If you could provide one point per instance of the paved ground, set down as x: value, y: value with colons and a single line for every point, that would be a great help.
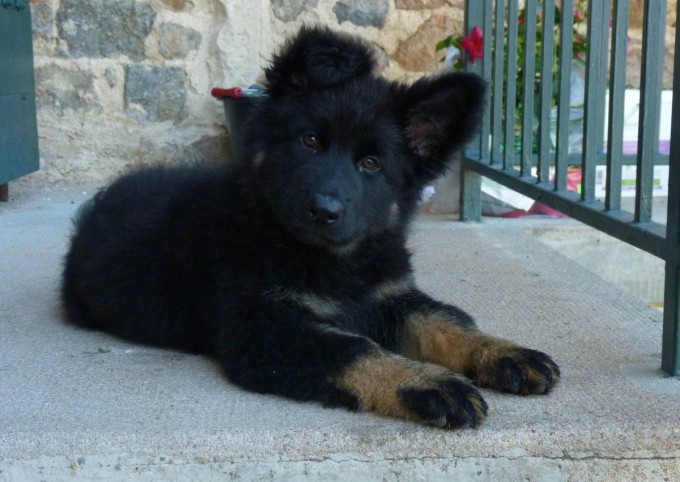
x: 84, y: 405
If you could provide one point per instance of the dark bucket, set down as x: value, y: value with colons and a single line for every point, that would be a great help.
x: 238, y: 105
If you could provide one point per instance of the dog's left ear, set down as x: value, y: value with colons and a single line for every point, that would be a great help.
x: 318, y: 58
x: 440, y: 115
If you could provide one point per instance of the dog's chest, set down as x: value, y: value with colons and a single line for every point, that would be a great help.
x: 351, y: 298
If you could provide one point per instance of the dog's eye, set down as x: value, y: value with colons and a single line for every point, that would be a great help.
x: 311, y: 141
x: 369, y: 164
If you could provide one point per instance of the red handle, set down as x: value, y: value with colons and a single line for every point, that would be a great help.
x: 234, y: 92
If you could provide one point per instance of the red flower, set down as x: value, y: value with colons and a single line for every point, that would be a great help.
x: 474, y: 44
x: 578, y: 15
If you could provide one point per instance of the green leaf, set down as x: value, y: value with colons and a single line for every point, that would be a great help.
x: 444, y: 44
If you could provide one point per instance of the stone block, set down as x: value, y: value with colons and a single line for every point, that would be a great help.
x: 62, y: 89
x: 105, y: 28
x: 176, y: 4
x: 207, y: 149
x: 156, y: 94
x: 289, y: 10
x: 426, y: 4
x: 42, y: 20
x: 176, y: 41
x: 364, y: 13
x: 417, y: 53
x: 111, y: 77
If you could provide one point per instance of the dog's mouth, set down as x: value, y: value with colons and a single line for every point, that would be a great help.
x: 341, y: 248
x: 338, y: 243
x: 342, y: 244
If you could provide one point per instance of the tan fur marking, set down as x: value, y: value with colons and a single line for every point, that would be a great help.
x: 390, y: 288
x: 322, y: 307
x: 259, y: 159
x: 433, y: 337
x: 395, y: 212
x: 376, y: 379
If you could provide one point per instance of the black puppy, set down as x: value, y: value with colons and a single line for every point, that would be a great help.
x: 290, y: 267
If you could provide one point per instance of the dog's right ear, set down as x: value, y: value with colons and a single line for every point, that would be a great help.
x: 318, y: 58
x: 440, y: 114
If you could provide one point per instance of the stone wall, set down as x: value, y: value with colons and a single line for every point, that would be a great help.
x: 123, y: 83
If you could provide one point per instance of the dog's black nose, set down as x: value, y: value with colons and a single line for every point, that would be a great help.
x: 325, y: 210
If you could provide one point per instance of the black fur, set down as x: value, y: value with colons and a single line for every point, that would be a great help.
x: 274, y: 265
x: 319, y: 58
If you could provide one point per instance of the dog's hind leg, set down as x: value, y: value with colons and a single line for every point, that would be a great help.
x: 438, y: 333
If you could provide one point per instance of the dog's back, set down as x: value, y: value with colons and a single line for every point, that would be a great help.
x: 138, y: 265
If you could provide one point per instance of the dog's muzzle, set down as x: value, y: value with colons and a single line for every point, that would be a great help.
x: 325, y: 210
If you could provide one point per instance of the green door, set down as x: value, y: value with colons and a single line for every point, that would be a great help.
x: 18, y: 125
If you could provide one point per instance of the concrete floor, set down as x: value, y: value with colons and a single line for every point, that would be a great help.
x: 87, y: 406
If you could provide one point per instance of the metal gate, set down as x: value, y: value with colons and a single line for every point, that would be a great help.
x: 521, y: 150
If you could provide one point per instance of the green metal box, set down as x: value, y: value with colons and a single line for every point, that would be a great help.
x: 18, y: 124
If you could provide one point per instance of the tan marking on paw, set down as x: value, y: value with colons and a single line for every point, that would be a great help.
x: 436, y: 338
x: 376, y: 379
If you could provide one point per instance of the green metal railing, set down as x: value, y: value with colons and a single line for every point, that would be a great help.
x: 519, y: 148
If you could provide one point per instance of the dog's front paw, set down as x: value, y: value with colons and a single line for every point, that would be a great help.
x: 394, y: 386
x: 516, y: 370
x: 448, y: 403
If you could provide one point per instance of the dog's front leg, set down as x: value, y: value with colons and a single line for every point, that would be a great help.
x: 438, y: 333
x: 304, y: 358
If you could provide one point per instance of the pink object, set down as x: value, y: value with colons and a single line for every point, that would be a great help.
x: 474, y: 44
x: 234, y: 92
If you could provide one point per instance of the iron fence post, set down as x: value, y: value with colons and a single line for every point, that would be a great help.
x: 470, y: 181
x: 670, y: 351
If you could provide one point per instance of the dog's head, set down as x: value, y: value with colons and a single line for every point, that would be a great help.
x: 342, y: 153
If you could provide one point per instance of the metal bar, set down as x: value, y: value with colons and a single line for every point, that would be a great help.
x: 564, y: 95
x: 602, y: 87
x: 497, y: 94
x: 546, y: 94
x: 470, y: 195
x: 575, y: 158
x: 670, y: 349
x: 486, y: 24
x: 593, y: 118
x: 670, y: 343
x: 529, y: 74
x: 617, y: 90
x: 653, y: 45
x: 470, y: 182
x: 604, y: 71
x: 4, y: 192
x: 511, y: 87
x: 646, y: 236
